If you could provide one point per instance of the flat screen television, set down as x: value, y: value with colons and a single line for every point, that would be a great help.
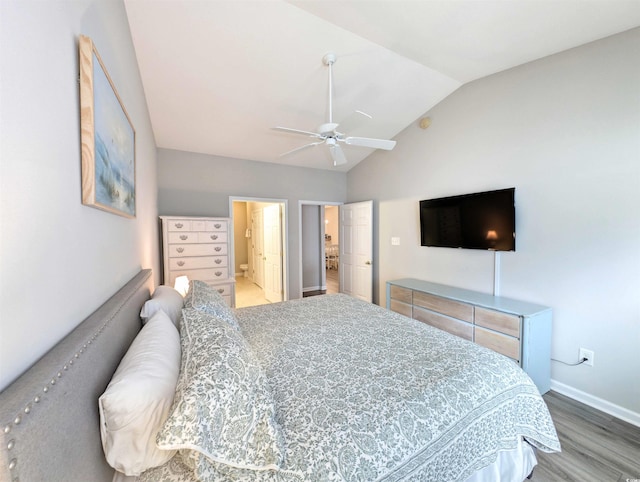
x: 483, y: 220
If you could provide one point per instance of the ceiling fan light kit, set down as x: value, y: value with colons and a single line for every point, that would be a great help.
x: 328, y: 132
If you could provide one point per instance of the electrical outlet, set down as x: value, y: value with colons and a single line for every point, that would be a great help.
x: 395, y: 241
x: 588, y: 354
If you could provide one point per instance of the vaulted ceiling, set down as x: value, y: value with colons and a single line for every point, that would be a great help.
x: 218, y: 74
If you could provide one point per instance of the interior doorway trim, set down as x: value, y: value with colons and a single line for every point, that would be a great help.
x: 300, y: 260
x: 285, y: 235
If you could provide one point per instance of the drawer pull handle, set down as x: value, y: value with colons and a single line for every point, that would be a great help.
x: 218, y: 248
x: 180, y: 250
x: 214, y: 236
x: 179, y: 225
x: 217, y: 225
x: 218, y: 261
x: 184, y: 237
x: 180, y: 263
x: 218, y: 273
x: 220, y: 290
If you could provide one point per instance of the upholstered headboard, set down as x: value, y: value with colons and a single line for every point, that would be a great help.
x: 49, y: 417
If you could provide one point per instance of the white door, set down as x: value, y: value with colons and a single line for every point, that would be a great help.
x: 257, y: 249
x: 356, y: 250
x: 272, y: 254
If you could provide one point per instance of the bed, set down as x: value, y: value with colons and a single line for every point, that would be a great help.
x: 347, y: 391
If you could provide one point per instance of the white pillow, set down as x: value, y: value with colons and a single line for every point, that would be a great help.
x: 137, y: 400
x: 164, y: 298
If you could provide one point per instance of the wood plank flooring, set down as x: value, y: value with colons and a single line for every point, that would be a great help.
x: 596, y: 447
x: 333, y: 282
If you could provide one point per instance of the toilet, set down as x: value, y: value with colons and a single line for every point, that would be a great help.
x: 244, y: 267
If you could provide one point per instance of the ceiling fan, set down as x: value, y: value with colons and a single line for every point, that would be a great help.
x: 328, y: 132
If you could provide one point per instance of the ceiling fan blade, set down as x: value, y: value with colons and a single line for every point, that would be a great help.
x: 297, y: 131
x: 337, y: 154
x: 354, y: 120
x: 300, y: 148
x: 372, y: 143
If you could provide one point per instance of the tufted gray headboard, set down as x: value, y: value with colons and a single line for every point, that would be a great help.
x: 49, y: 417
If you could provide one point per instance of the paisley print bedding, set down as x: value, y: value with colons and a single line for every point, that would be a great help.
x: 365, y: 394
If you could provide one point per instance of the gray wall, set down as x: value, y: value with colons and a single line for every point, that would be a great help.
x: 200, y: 185
x: 60, y: 260
x: 565, y: 131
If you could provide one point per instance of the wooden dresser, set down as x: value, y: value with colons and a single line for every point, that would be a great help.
x: 199, y: 249
x: 517, y: 329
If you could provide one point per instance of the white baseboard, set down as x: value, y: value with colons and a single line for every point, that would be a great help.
x: 598, y: 403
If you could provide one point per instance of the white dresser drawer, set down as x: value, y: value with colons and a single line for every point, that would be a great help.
x: 182, y: 238
x: 219, y: 249
x: 196, y: 225
x: 182, y: 250
x: 206, y: 225
x: 219, y: 226
x: 204, y: 274
x: 198, y: 262
x: 224, y: 289
x: 214, y: 237
x: 178, y: 225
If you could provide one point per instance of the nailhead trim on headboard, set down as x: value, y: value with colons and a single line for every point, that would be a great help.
x: 48, y: 388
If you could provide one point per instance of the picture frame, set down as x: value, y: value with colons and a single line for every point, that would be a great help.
x: 108, y: 139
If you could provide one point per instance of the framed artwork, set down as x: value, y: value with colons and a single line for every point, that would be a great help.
x: 108, y: 139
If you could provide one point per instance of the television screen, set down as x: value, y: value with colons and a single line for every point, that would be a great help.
x: 484, y: 220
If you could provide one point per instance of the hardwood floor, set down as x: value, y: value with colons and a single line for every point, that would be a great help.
x: 596, y: 447
x: 333, y: 283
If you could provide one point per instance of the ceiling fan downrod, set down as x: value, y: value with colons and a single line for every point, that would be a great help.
x: 329, y: 59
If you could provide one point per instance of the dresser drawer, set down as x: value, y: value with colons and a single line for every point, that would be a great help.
x: 182, y: 250
x: 198, y: 262
x: 224, y: 289
x: 178, y: 225
x: 504, y: 344
x: 217, y: 226
x: 204, y: 274
x: 401, y: 294
x: 214, y: 237
x: 183, y: 238
x: 498, y: 321
x: 206, y: 225
x: 453, y: 326
x: 455, y: 309
x: 400, y: 307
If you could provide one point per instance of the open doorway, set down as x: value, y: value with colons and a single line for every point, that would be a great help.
x: 319, y: 248
x: 332, y: 248
x: 259, y: 250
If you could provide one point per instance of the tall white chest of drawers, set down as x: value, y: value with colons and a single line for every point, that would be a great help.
x: 198, y: 248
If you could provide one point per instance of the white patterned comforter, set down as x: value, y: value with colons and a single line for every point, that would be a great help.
x: 365, y: 394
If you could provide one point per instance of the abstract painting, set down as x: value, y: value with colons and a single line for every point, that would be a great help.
x: 107, y: 138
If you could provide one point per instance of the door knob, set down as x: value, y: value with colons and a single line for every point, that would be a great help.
x: 367, y: 262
